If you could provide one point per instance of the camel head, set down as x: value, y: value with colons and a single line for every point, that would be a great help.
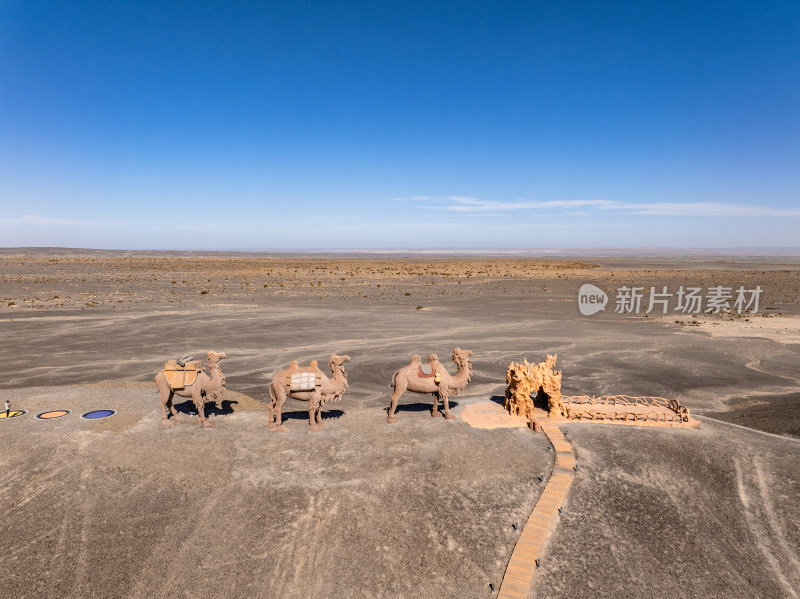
x: 462, y: 354
x: 214, y: 358
x: 337, y: 361
x: 217, y: 376
x: 461, y: 358
x: 336, y: 364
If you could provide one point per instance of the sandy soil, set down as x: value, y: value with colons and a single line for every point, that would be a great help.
x: 785, y: 329
x: 125, y: 508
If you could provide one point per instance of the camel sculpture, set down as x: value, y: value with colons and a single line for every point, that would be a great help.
x: 190, y: 380
x: 308, y: 384
x: 542, y: 380
x: 432, y: 378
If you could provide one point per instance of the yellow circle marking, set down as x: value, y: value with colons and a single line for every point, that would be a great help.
x: 12, y: 413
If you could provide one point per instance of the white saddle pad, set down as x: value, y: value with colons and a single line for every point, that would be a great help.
x: 303, y: 381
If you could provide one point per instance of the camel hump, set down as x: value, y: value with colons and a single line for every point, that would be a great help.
x: 415, y: 358
x: 433, y: 358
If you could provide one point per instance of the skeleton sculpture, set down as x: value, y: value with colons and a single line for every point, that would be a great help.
x: 432, y: 378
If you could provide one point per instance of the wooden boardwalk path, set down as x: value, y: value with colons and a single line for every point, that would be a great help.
x: 521, y: 569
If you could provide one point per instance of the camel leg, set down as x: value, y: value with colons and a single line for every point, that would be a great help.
x: 171, y: 403
x: 435, y: 412
x: 200, y: 405
x: 171, y: 410
x: 320, y: 422
x: 399, y: 389
x: 280, y: 399
x: 271, y: 408
x: 165, y: 403
x: 447, y: 414
x: 313, y: 408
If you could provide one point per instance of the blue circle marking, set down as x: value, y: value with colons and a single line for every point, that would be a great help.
x: 96, y: 414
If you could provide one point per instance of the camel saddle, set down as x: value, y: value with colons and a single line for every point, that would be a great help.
x: 179, y: 376
x: 303, y: 379
x: 426, y: 371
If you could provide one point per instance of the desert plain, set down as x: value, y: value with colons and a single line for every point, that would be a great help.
x: 425, y: 508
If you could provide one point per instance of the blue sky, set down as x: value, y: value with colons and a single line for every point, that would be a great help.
x: 284, y: 125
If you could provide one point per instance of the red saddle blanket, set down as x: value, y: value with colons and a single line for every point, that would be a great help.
x: 426, y: 371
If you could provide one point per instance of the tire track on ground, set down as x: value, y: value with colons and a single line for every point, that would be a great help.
x: 766, y: 529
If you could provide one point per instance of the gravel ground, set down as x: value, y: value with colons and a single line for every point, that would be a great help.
x: 123, y: 507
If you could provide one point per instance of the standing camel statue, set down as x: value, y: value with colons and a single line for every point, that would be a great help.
x: 197, y: 385
x: 307, y: 384
x: 432, y: 378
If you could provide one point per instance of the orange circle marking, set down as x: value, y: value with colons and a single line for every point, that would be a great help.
x: 52, y: 414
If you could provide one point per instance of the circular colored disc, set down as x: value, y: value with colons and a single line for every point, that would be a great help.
x: 12, y: 413
x: 52, y: 414
x: 95, y: 414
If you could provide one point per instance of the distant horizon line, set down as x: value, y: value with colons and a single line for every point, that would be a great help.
x: 563, y: 251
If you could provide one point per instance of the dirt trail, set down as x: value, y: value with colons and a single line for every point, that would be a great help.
x: 765, y: 526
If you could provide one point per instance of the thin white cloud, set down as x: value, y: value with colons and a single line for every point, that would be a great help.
x: 468, y: 205
x: 32, y: 219
x: 706, y: 209
x: 462, y: 204
x: 390, y: 226
x: 45, y: 221
x: 415, y: 199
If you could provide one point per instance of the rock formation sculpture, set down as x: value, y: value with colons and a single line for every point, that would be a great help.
x: 542, y: 380
x: 432, y: 378
x: 519, y: 387
x: 190, y: 380
x: 308, y: 384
